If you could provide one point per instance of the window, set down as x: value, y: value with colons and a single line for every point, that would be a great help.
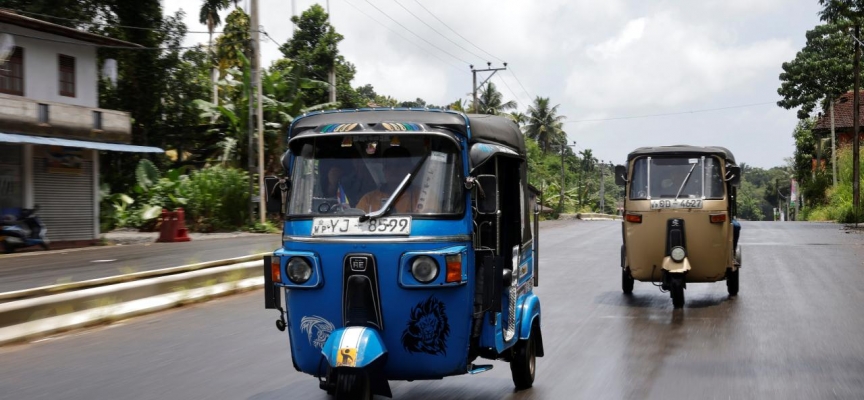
x: 97, y: 120
x: 676, y: 177
x: 43, y: 113
x: 67, y: 75
x: 12, y: 73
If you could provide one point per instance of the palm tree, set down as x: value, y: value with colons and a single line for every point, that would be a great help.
x: 210, y: 16
x: 491, y: 101
x: 518, y: 117
x: 459, y: 105
x: 544, y: 123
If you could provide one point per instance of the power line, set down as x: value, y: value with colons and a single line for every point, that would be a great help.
x: 520, y: 83
x: 411, y: 32
x: 436, y: 31
x: 403, y: 37
x: 516, y: 99
x: 105, y: 46
x: 672, y: 113
x: 457, y: 33
x: 101, y: 23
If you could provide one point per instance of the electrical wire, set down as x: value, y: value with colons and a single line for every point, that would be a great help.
x: 671, y: 113
x: 520, y: 83
x: 411, y: 32
x: 404, y: 38
x: 515, y: 98
x: 101, y: 23
x: 436, y: 31
x: 457, y: 33
x: 105, y: 46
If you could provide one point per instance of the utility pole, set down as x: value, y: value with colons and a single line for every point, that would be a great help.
x: 856, y: 142
x: 833, y: 146
x: 476, y: 86
x: 331, y: 77
x: 602, y: 190
x: 256, y: 75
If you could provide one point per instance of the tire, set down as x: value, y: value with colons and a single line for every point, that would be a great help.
x: 352, y: 385
x: 626, y: 277
x: 524, y: 363
x: 626, y: 281
x: 732, y: 281
x: 676, y: 288
x: 7, y: 248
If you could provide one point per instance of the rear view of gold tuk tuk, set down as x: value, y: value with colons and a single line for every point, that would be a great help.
x: 679, y: 212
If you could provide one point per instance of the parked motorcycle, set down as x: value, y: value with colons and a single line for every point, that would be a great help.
x: 24, y: 231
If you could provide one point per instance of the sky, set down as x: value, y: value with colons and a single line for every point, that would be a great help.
x: 710, y: 68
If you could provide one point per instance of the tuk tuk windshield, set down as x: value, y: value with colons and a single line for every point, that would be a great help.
x: 676, y: 177
x: 357, y: 174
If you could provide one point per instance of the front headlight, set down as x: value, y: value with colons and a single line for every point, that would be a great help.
x: 299, y: 270
x: 424, y: 269
x: 678, y: 253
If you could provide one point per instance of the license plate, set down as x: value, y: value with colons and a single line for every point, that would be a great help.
x: 672, y: 203
x: 339, y: 226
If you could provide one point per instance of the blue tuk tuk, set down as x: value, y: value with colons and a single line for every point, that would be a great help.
x: 408, y: 249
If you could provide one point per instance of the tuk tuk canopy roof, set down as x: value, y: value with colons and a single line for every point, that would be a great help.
x: 484, y: 128
x: 683, y: 150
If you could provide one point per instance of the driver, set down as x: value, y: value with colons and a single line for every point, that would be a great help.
x: 397, y: 164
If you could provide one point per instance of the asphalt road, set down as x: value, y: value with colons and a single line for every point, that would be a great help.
x: 794, y: 332
x: 29, y: 270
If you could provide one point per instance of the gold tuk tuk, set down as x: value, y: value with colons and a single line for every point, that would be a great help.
x: 678, y: 225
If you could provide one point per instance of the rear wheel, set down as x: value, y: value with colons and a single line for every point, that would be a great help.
x: 732, y: 281
x: 524, y: 362
x: 626, y: 277
x: 676, y: 289
x: 353, y: 385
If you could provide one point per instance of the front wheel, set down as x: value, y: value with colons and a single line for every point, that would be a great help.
x: 353, y: 385
x: 676, y: 289
x: 524, y: 362
x: 732, y: 281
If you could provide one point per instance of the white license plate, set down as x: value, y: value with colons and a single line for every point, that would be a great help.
x: 338, y: 226
x: 672, y: 203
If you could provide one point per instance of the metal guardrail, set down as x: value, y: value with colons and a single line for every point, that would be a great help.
x: 123, y: 297
x: 111, y: 280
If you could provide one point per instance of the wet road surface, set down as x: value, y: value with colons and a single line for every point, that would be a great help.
x: 796, y: 331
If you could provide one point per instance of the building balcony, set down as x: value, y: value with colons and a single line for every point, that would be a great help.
x: 58, y: 120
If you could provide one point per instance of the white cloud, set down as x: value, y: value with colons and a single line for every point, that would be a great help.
x: 665, y: 60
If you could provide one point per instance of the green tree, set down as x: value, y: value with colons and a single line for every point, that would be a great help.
x: 234, y: 41
x: 209, y: 16
x: 315, y: 48
x: 544, y: 123
x: 491, y: 101
x: 820, y: 72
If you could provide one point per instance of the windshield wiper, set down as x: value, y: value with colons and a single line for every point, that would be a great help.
x: 685, y: 181
x: 406, y: 181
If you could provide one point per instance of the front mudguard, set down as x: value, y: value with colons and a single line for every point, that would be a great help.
x: 531, y: 317
x: 353, y: 347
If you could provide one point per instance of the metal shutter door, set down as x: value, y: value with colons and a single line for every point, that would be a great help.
x: 65, y: 201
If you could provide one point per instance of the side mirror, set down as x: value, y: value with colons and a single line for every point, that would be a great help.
x: 487, y: 196
x: 620, y: 175
x: 733, y: 175
x: 276, y: 193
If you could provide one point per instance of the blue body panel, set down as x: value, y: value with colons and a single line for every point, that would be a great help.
x: 426, y: 332
x: 366, y: 344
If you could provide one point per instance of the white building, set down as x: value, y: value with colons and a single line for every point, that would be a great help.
x: 51, y: 129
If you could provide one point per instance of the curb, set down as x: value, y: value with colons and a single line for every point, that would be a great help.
x: 31, y: 318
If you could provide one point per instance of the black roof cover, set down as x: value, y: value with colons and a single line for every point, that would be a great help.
x: 484, y: 128
x: 683, y: 149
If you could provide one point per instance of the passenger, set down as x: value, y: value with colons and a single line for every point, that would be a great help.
x: 397, y: 164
